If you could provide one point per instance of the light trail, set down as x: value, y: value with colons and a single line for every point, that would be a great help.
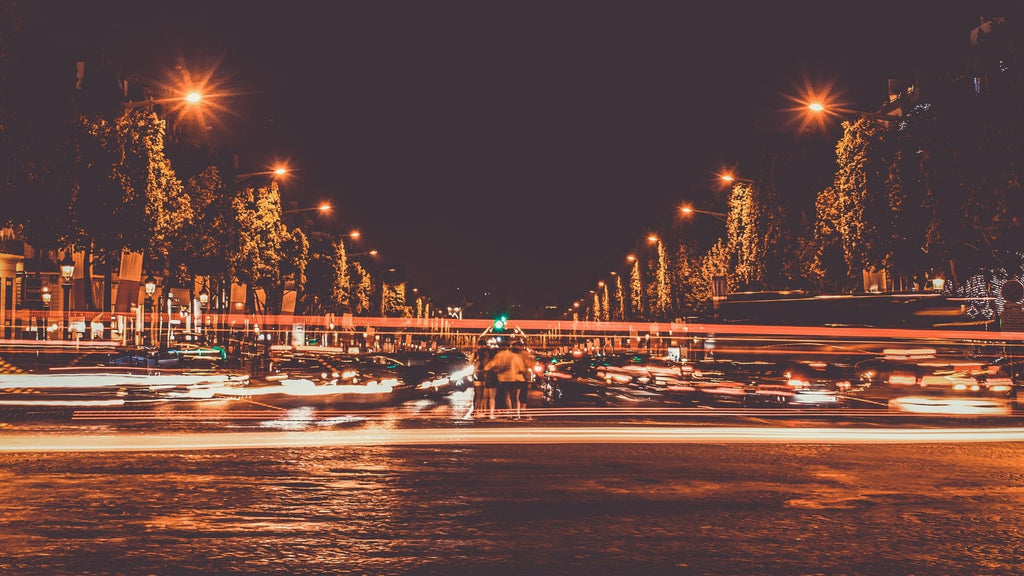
x: 184, y: 442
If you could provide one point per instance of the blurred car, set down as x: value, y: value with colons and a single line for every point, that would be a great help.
x: 578, y: 378
x: 431, y: 373
x: 571, y: 378
x: 665, y: 378
x: 938, y: 384
x: 798, y: 383
x: 178, y: 357
x: 718, y: 381
x: 638, y: 368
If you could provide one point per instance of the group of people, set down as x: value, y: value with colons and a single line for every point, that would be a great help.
x: 502, y: 371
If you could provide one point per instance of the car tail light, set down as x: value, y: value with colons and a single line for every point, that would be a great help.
x: 843, y: 384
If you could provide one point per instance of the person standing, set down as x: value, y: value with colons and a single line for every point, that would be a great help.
x: 482, y: 354
x: 510, y: 372
x: 520, y: 394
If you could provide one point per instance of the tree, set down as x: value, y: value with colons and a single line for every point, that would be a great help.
x: 129, y: 196
x: 714, y: 263
x: 746, y: 239
x: 328, y: 287
x: 662, y: 289
x: 681, y: 278
x: 605, y: 305
x: 393, y: 300
x: 207, y: 241
x: 636, y: 303
x: 260, y: 251
x: 619, y: 300
x: 362, y: 290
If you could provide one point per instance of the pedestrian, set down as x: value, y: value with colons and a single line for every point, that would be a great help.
x: 481, y: 355
x: 509, y: 371
x: 520, y: 395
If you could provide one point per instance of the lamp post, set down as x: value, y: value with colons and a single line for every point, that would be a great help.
x: 368, y: 253
x: 204, y: 300
x: 189, y: 99
x: 323, y: 208
x: 720, y: 215
x: 821, y: 109
x: 67, y: 270
x: 278, y: 172
x: 45, y: 321
x: 150, y: 286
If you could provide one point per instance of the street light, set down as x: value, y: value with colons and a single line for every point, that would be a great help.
x: 369, y: 253
x: 278, y: 172
x: 150, y: 284
x: 43, y: 324
x: 323, y: 208
x: 720, y: 215
x: 189, y: 99
x: 67, y: 270
x: 819, y: 108
x: 729, y: 178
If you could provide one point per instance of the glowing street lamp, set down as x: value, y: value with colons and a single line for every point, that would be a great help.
x: 275, y: 173
x: 731, y: 179
x: 67, y: 270
x: 150, y: 285
x: 367, y: 253
x: 323, y: 208
x: 818, y: 108
x: 720, y: 215
x: 191, y: 98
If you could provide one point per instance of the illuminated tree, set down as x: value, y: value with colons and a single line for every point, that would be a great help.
x: 856, y: 206
x: 129, y: 197
x: 605, y: 305
x: 260, y: 251
x: 328, y: 280
x: 362, y: 290
x: 681, y: 280
x: 828, y: 268
x: 393, y: 300
x: 662, y: 289
x: 746, y: 238
x: 714, y: 263
x: 619, y: 307
x: 636, y: 303
x: 200, y: 246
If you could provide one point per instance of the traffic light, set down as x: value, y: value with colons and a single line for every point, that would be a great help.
x: 500, y: 323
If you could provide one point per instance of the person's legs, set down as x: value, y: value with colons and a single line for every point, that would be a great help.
x: 491, y: 392
x: 479, y: 400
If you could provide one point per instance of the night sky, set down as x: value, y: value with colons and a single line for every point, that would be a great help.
x: 518, y: 148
